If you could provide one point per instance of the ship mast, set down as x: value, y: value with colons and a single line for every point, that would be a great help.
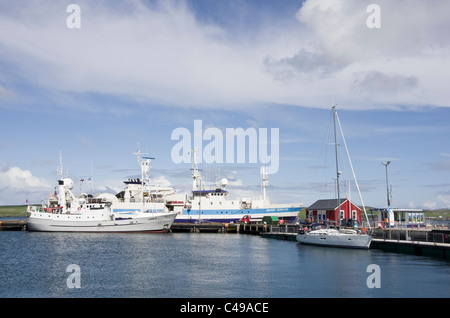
x: 197, y: 182
x: 144, y: 162
x: 337, y: 166
x: 61, y: 190
x: 264, y: 182
x: 60, y: 171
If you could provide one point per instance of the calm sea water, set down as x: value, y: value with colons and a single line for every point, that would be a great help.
x: 202, y: 265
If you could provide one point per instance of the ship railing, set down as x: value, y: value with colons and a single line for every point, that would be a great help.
x: 51, y: 210
x: 155, y: 210
x: 283, y: 229
x: 398, y: 224
x: 408, y: 234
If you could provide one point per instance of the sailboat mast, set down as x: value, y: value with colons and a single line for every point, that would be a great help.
x: 353, y: 171
x: 337, y: 164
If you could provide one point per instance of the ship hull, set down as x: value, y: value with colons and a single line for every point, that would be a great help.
x: 145, y: 222
x: 230, y: 216
x: 336, y: 239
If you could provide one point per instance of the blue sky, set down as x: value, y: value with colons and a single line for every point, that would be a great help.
x: 137, y: 70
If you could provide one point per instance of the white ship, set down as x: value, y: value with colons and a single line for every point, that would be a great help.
x: 140, y: 194
x: 213, y: 205
x: 66, y: 212
x: 337, y: 237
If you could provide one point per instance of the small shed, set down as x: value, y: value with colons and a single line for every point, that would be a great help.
x: 327, y: 210
x: 270, y: 220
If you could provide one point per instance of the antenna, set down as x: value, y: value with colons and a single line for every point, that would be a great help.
x: 144, y: 162
x: 92, y: 179
x: 264, y: 182
x: 197, y: 183
x: 60, y: 171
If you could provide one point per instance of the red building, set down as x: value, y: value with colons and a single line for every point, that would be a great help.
x: 327, y: 210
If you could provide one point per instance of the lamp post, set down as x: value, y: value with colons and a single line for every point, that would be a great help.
x: 387, y: 182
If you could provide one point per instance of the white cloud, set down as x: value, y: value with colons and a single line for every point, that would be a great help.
x: 15, y: 177
x: 345, y: 57
x: 374, y: 83
x: 161, y: 53
x: 156, y: 53
x: 161, y: 181
x: 429, y: 205
x: 444, y: 200
x: 18, y: 185
x: 105, y: 186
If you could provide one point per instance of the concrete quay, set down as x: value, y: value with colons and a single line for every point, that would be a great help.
x: 13, y: 225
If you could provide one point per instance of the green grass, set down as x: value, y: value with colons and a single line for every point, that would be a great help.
x: 13, y: 210
x: 440, y: 213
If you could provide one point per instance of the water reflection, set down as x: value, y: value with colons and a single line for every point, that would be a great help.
x: 205, y: 265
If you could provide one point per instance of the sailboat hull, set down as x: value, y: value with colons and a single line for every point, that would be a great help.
x: 336, y: 239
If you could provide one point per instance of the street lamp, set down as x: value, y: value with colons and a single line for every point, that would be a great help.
x: 387, y: 182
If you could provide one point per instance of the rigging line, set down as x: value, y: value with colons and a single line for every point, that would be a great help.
x: 318, y: 183
x: 324, y: 181
x: 353, y: 171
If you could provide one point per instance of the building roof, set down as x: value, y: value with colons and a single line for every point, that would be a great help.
x: 327, y: 204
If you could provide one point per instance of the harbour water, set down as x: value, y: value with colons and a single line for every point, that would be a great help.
x: 186, y: 265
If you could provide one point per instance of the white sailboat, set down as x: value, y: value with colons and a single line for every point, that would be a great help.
x: 337, y: 237
x: 348, y: 238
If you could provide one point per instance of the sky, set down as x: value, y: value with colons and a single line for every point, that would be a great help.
x: 94, y: 83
